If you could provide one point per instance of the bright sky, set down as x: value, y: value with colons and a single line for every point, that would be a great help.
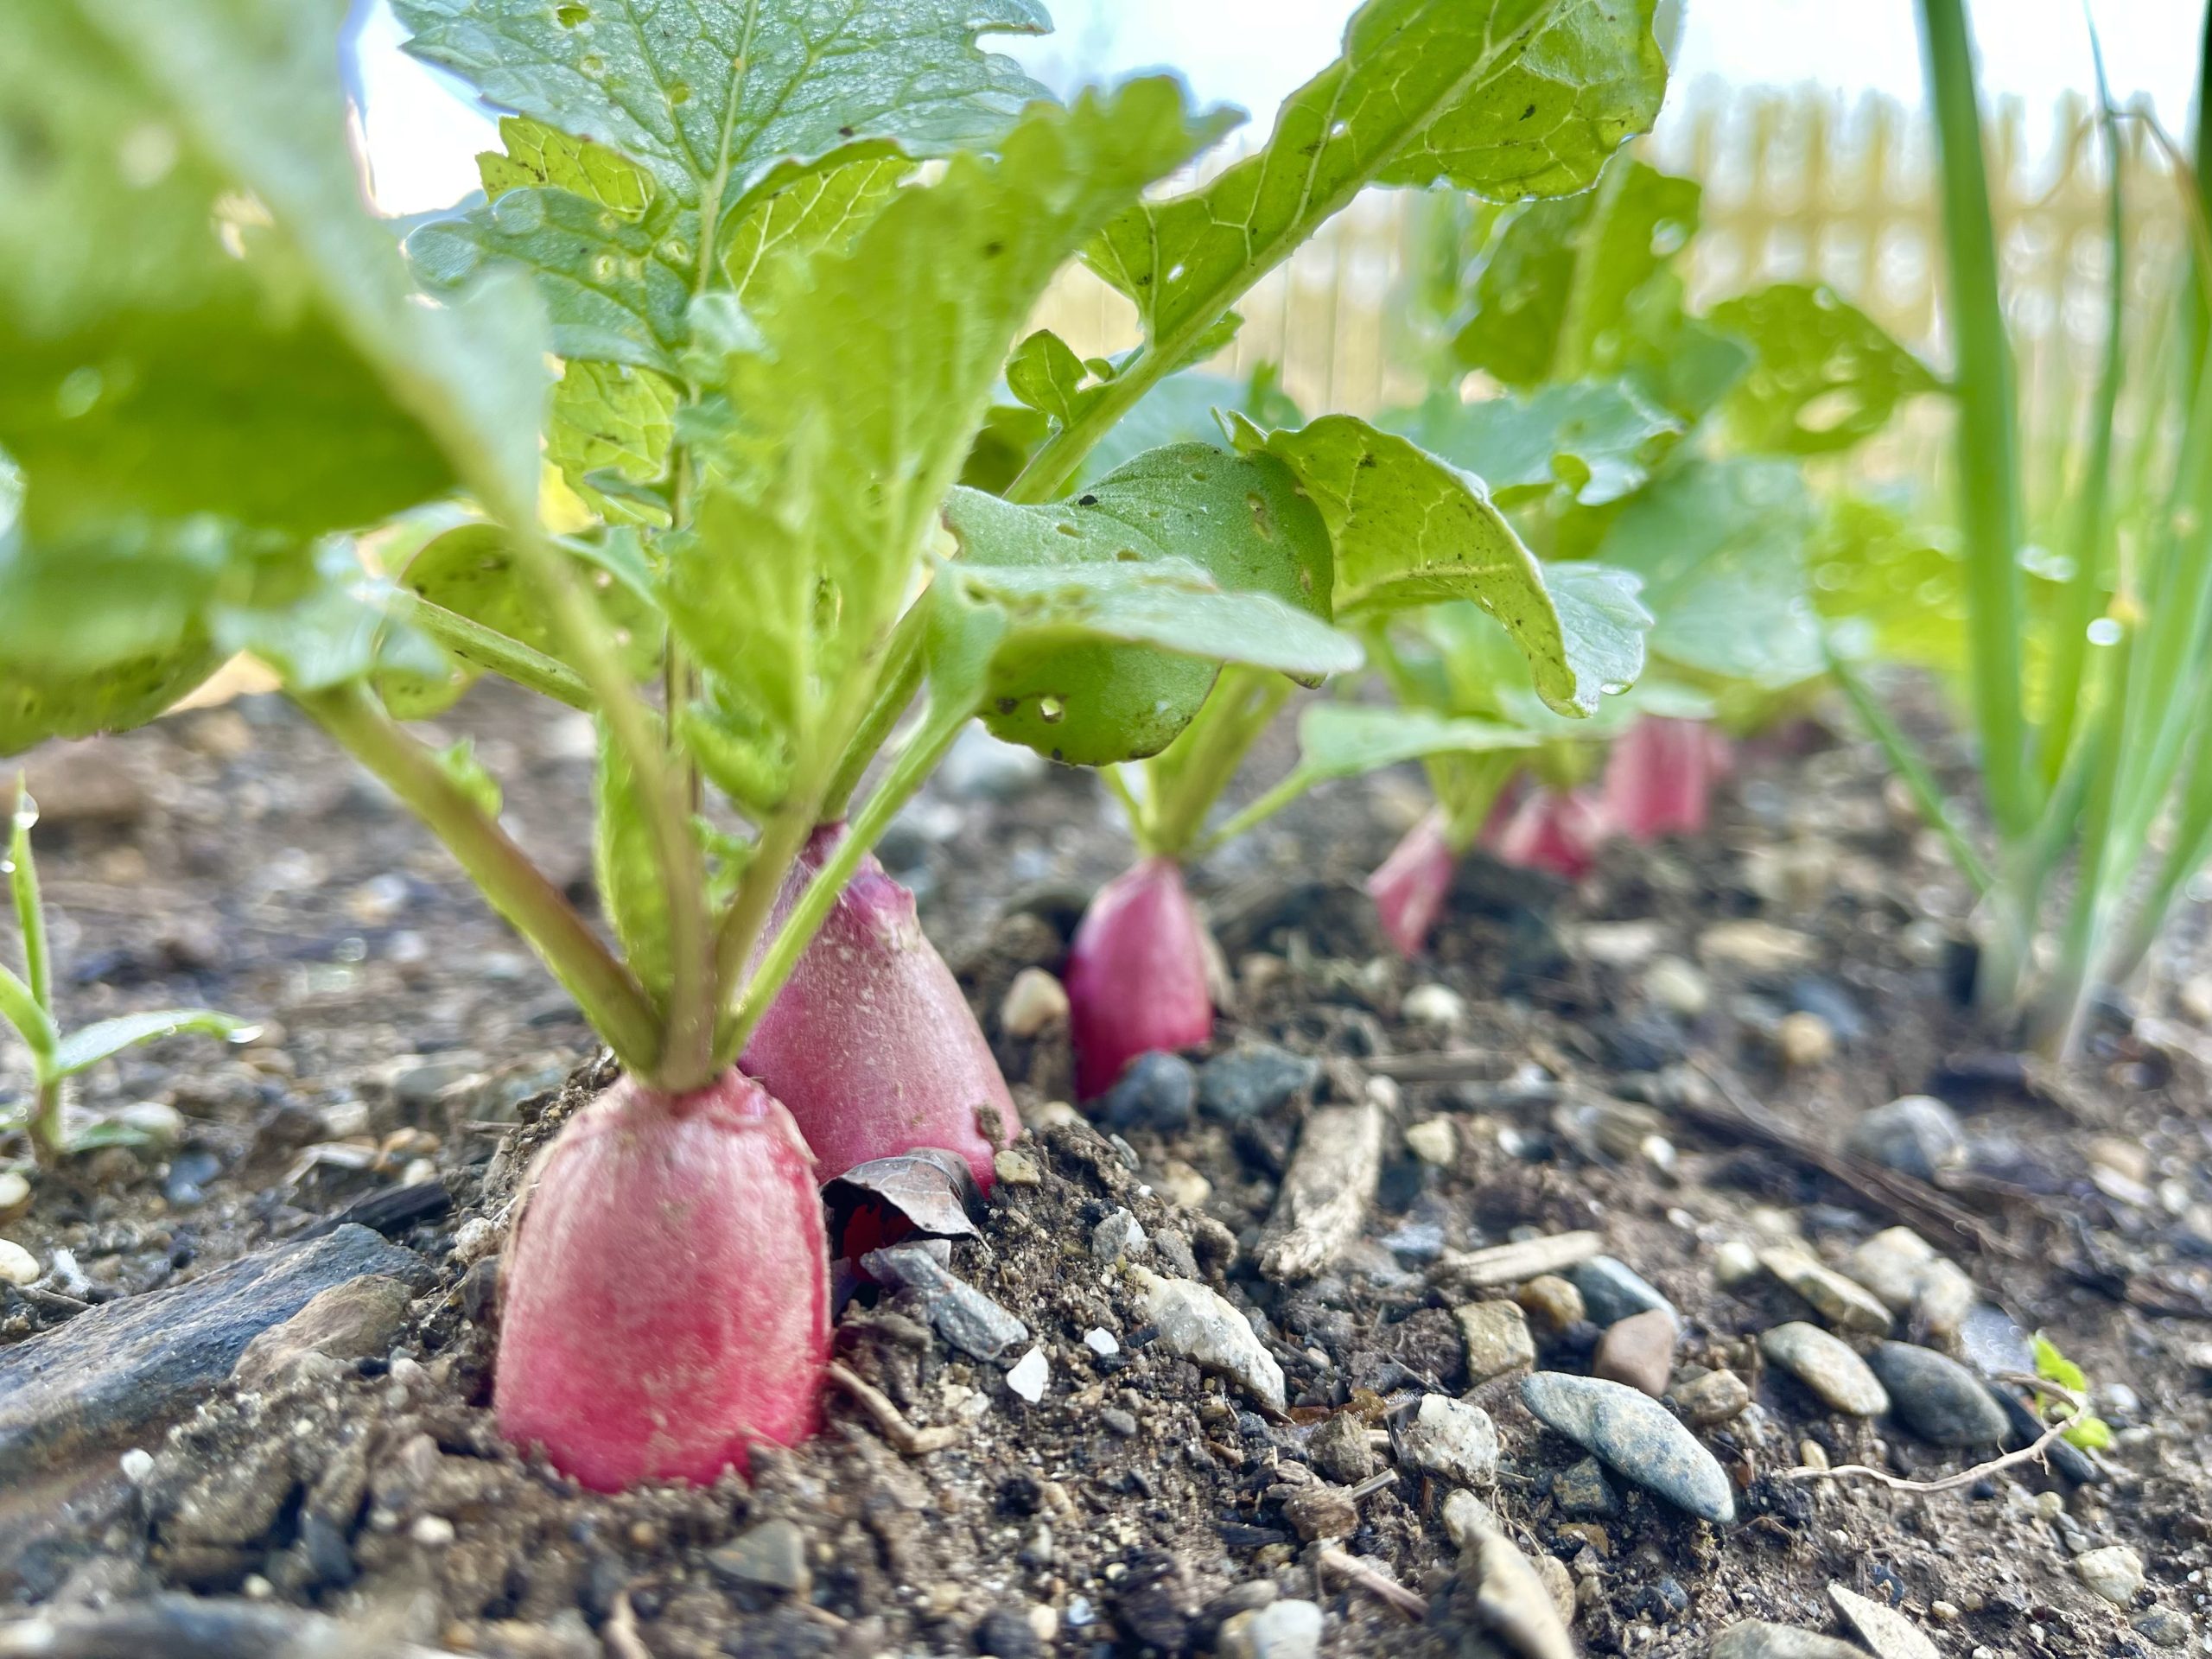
x: 422, y: 136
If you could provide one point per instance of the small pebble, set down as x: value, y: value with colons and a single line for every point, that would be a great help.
x: 1846, y: 1305
x: 1735, y: 1263
x: 2164, y: 1627
x: 1889, y: 1632
x: 1678, y: 986
x: 1451, y: 1439
x: 1251, y: 1080
x: 1029, y: 1375
x: 1156, y: 1092
x: 432, y: 1532
x: 1611, y: 1290
x: 772, y: 1556
x: 1755, y: 1639
x: 1638, y: 1350
x: 1198, y: 1325
x: 1806, y: 1040
x: 1837, y: 1377
x: 1338, y: 1448
x: 17, y: 1265
x: 136, y: 1463
x: 1282, y: 1630
x: 1119, y: 1237
x: 1434, y: 1005
x: 15, y: 1193
x: 1936, y: 1397
x: 1102, y: 1342
x: 1638, y: 1439
x: 1016, y: 1168
x: 1553, y: 1303
x: 1496, y: 1338
x: 1120, y: 1422
x: 1514, y: 1600
x: 2114, y: 1572
x: 1914, y: 1134
x: 1714, y: 1398
x: 1033, y: 1001
x: 1433, y: 1141
x: 1891, y: 1264
x: 1581, y: 1488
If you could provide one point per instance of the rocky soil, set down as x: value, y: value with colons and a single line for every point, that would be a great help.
x: 1647, y: 1271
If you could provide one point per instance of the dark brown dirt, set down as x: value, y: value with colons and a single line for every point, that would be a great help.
x: 414, y: 1056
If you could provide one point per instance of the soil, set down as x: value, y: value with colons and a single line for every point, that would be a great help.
x: 413, y: 1056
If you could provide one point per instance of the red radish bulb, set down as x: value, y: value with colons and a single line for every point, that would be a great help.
x: 667, y: 1288
x: 870, y: 1043
x: 1409, y: 886
x: 1659, y: 777
x: 1549, y: 830
x: 1136, y: 974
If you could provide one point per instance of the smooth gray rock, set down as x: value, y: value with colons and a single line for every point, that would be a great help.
x: 1581, y: 1488
x: 1838, y: 1377
x: 1914, y: 1134
x: 1935, y: 1397
x: 962, y: 1315
x: 1886, y: 1630
x: 771, y: 1556
x: 128, y: 1365
x: 1636, y: 1436
x: 1253, y: 1078
x: 1754, y: 1638
x: 1612, y: 1291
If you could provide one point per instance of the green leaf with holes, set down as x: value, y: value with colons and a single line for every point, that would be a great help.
x: 1505, y: 97
x: 1238, y: 519
x: 855, y: 406
x: 1557, y: 294
x: 1823, y: 377
x: 1411, y: 529
x: 765, y: 129
x: 1593, y: 440
x: 612, y: 425
x: 1721, y: 547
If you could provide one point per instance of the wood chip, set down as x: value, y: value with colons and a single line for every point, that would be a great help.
x: 1325, y: 1192
x: 1513, y: 1264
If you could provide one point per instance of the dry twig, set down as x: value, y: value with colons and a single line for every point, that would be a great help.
x: 1354, y: 1571
x: 903, y: 1435
x: 620, y: 1631
x: 1965, y: 1476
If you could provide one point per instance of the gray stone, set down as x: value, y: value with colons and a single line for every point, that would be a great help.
x: 1891, y: 1264
x: 1582, y: 1489
x: 359, y: 1319
x: 1198, y: 1325
x: 2164, y: 1627
x: 1497, y: 1338
x: 1119, y: 1237
x: 771, y: 1556
x: 1636, y: 1436
x: 1339, y: 1448
x: 1914, y: 1134
x: 131, y: 1364
x: 1838, y: 1377
x: 1991, y: 1341
x: 1845, y: 1305
x: 1612, y: 1291
x: 1714, y: 1398
x: 1889, y: 1632
x: 962, y: 1314
x: 1935, y: 1397
x: 1156, y: 1092
x: 1754, y: 1638
x: 1453, y: 1439
x: 1253, y: 1078
x: 1281, y: 1629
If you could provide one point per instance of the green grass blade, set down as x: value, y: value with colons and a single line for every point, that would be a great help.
x: 1987, y: 439
x: 22, y: 881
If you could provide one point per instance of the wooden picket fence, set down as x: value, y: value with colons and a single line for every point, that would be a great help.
x: 1798, y: 185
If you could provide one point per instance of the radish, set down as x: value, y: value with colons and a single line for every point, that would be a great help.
x: 667, y: 1288
x: 1136, y: 978
x: 1659, y: 778
x: 1409, y: 887
x: 870, y: 1043
x: 1558, y: 830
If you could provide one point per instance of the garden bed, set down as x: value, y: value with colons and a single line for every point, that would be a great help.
x: 1641, y: 1058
